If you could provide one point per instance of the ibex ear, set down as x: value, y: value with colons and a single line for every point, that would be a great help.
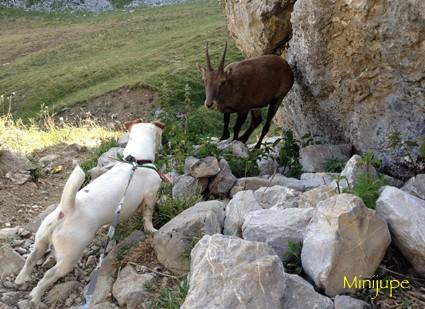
x: 159, y: 124
x: 228, y: 72
x: 129, y: 124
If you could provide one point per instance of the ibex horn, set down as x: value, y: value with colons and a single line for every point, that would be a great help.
x: 221, y: 67
x: 207, y: 56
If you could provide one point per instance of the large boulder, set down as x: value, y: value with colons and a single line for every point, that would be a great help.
x: 200, y: 168
x: 129, y: 289
x: 185, y: 186
x: 301, y: 294
x: 314, y: 180
x: 229, y: 272
x: 221, y: 184
x: 11, y: 261
x: 359, y: 72
x: 277, y: 196
x: 277, y: 227
x: 174, y: 241
x: 344, y: 239
x: 254, y: 183
x: 347, y: 302
x: 405, y: 215
x: 241, y: 204
x: 313, y: 197
x: 259, y: 27
x: 416, y: 186
x: 314, y: 157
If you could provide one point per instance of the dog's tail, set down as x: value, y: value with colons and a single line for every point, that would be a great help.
x: 73, y: 184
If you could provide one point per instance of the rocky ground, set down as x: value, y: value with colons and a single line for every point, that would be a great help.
x: 240, y: 237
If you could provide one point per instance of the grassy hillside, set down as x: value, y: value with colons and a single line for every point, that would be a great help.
x: 57, y: 60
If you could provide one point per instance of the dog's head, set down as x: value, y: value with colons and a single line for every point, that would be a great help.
x: 145, y: 138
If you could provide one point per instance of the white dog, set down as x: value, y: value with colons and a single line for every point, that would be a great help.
x: 73, y: 224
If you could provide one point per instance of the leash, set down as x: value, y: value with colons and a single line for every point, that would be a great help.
x: 89, y: 293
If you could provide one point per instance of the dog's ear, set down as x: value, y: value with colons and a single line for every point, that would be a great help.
x: 159, y: 124
x: 129, y: 124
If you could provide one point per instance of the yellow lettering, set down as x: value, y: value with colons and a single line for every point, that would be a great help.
x: 354, y: 283
x: 406, y: 282
x: 393, y: 287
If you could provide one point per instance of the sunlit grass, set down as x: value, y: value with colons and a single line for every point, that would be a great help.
x: 30, y: 137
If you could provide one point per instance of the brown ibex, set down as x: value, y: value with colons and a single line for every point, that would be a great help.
x: 246, y: 86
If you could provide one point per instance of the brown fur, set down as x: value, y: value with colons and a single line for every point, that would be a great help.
x: 247, y: 86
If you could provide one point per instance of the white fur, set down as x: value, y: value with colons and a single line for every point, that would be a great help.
x: 73, y: 224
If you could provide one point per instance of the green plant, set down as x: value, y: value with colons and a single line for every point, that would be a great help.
x: 309, y: 139
x: 292, y: 258
x: 172, y: 298
x: 338, y: 179
x: 368, y: 160
x: 334, y: 165
x: 206, y: 148
x: 168, y: 207
x: 412, y: 149
x: 367, y: 188
x: 289, y: 154
x: 244, y: 167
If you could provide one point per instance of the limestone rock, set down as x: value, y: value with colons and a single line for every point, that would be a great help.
x: 11, y: 262
x: 347, y: 302
x: 314, y: 180
x: 221, y: 184
x: 267, y: 166
x: 11, y: 162
x: 36, y: 222
x: 345, y: 238
x: 229, y: 272
x: 277, y: 226
x: 175, y: 239
x: 60, y: 292
x: 107, y: 271
x: 8, y: 233
x: 405, y: 215
x: 359, y: 71
x: 123, y: 140
x: 313, y: 157
x: 205, y: 167
x: 241, y: 204
x: 259, y: 27
x: 416, y: 186
x: 277, y: 196
x: 313, y: 197
x: 237, y: 148
x: 11, y: 298
x: 254, y: 183
x: 301, y: 294
x: 129, y: 289
x: 186, y: 186
x: 108, y: 159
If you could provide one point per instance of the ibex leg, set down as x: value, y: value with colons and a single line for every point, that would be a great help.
x: 226, y: 133
x: 255, y: 122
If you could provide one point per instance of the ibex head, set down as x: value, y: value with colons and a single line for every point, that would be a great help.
x: 213, y: 79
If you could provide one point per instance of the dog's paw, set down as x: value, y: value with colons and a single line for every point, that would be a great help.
x: 151, y: 231
x: 21, y: 281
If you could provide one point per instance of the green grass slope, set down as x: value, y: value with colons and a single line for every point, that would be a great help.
x: 58, y: 60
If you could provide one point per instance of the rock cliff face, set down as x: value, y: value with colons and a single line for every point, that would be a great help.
x: 259, y: 26
x: 359, y: 68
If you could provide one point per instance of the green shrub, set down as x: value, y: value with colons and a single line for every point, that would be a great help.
x: 244, y: 167
x: 289, y: 154
x: 168, y: 207
x: 172, y: 298
x: 367, y: 188
x: 334, y: 165
x: 292, y: 258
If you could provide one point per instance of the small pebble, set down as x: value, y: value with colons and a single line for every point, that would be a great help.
x: 8, y: 285
x: 21, y: 250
